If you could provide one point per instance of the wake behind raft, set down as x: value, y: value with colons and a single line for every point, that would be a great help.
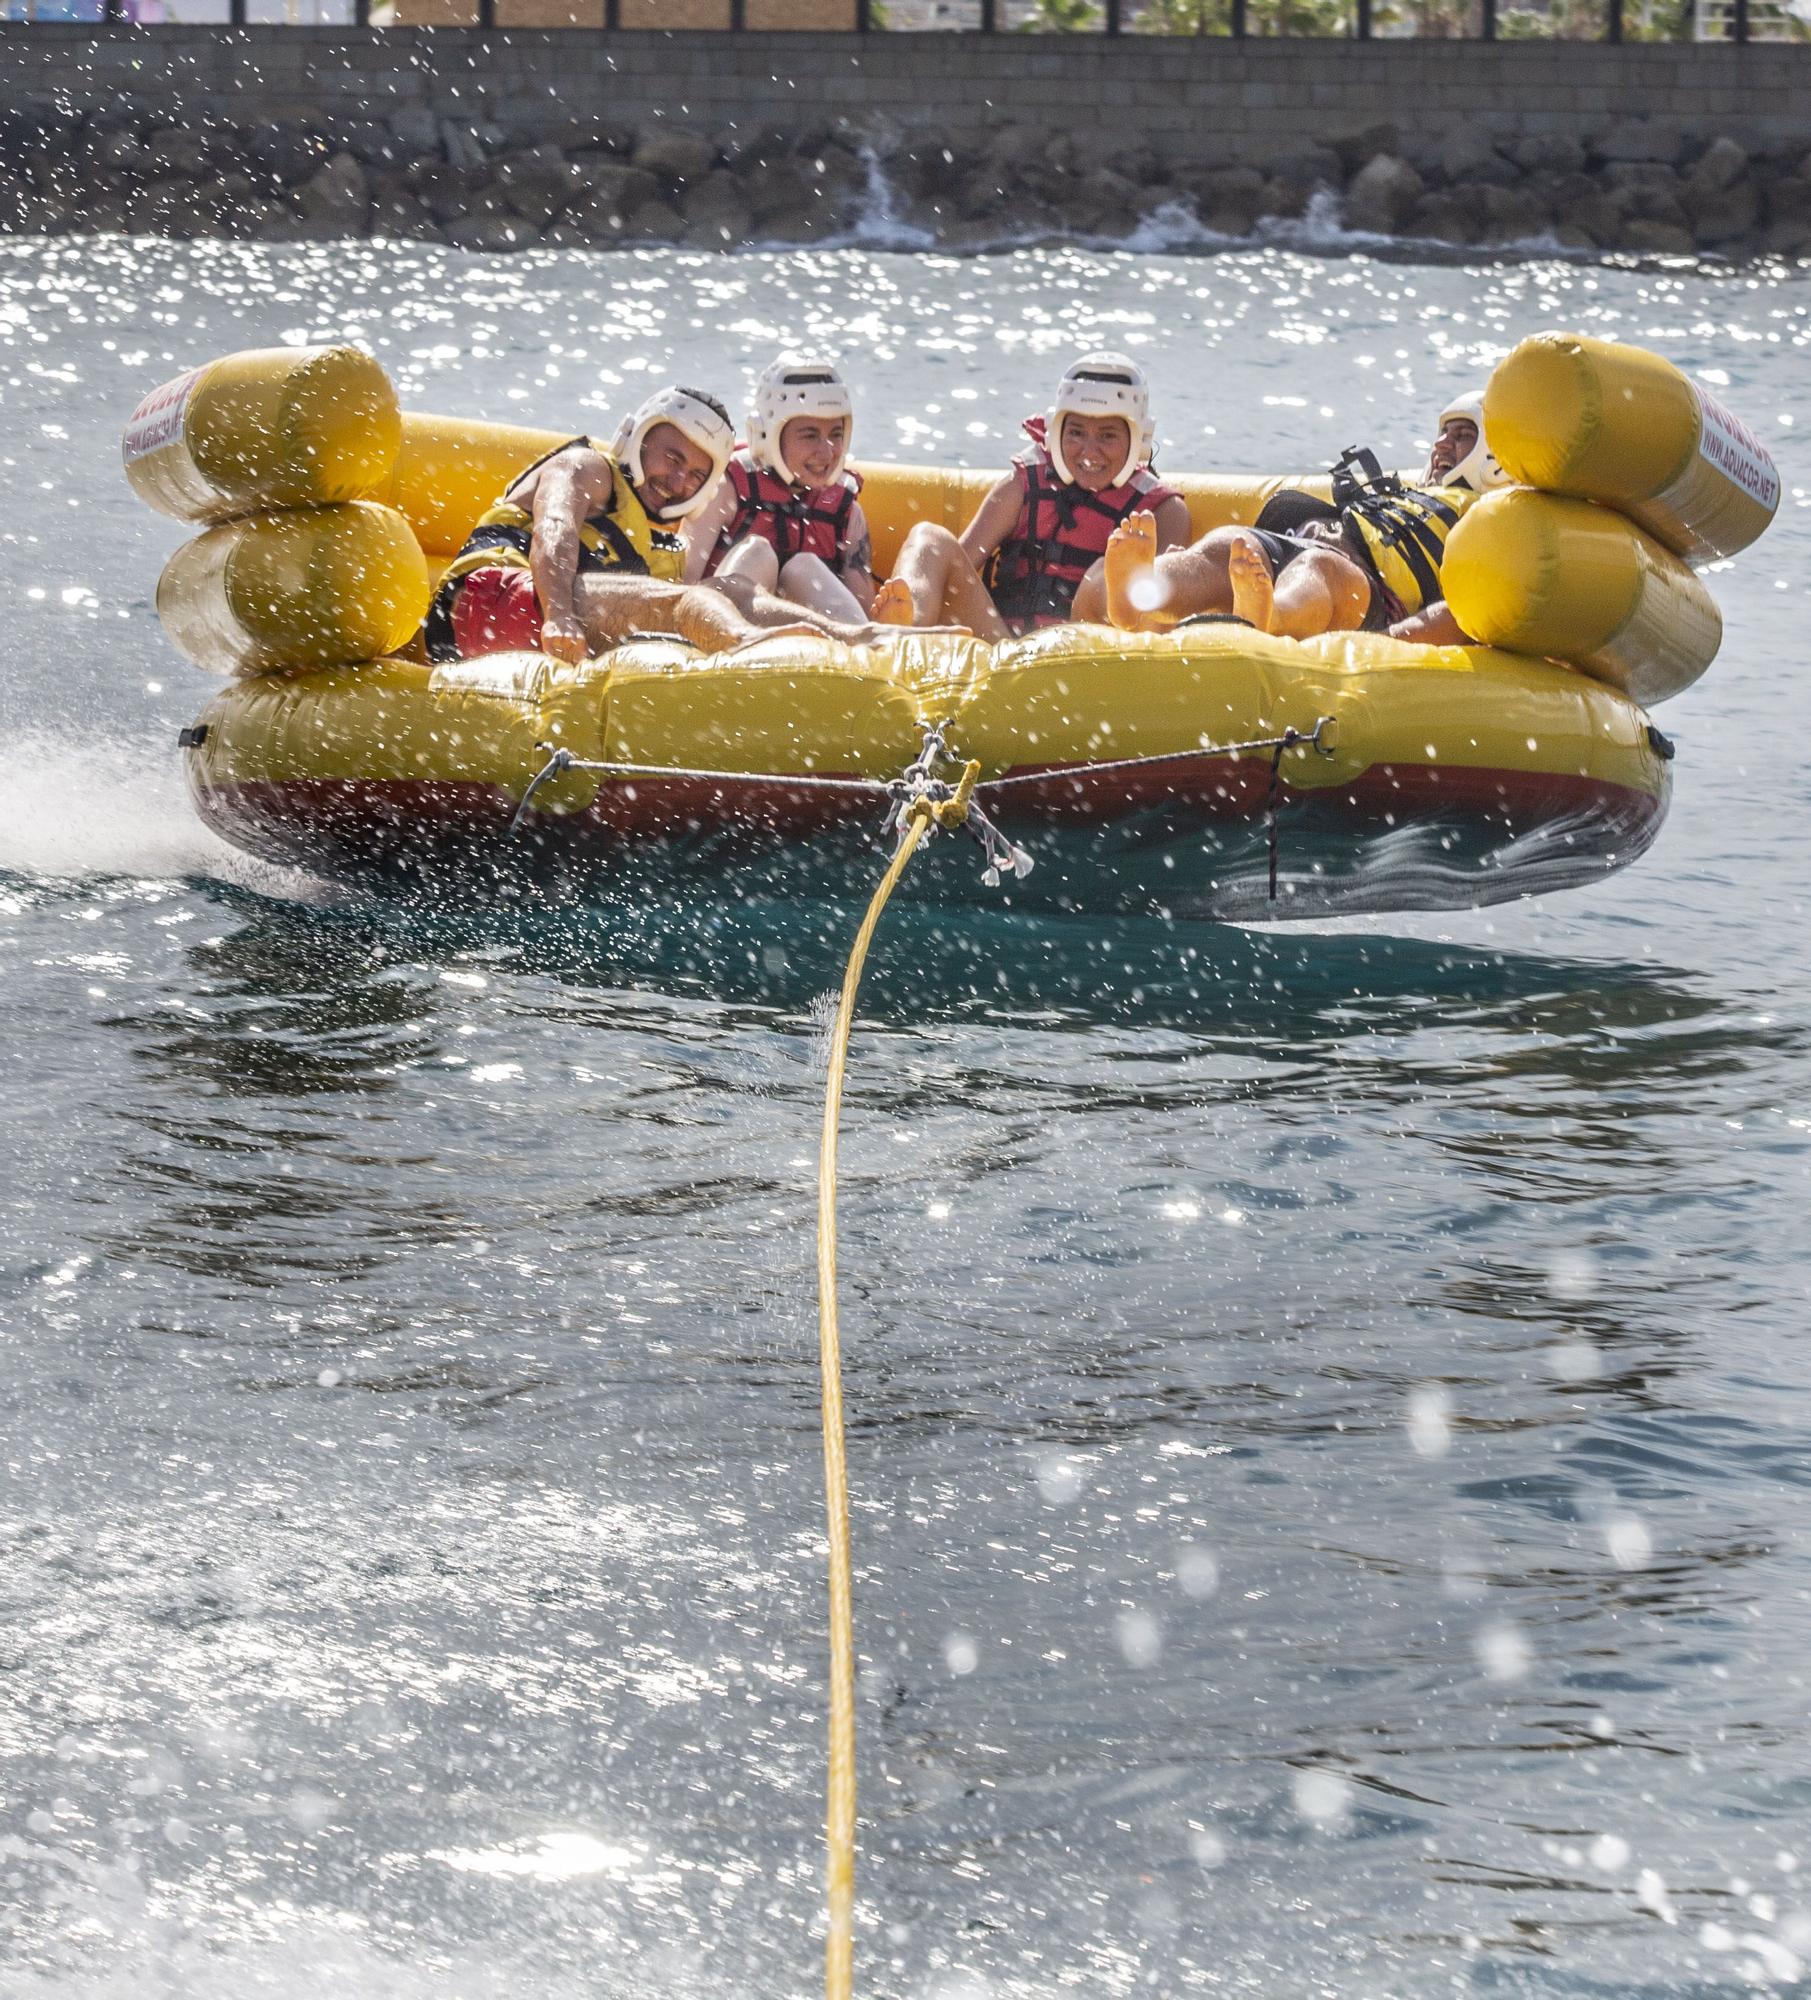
x: 1208, y: 773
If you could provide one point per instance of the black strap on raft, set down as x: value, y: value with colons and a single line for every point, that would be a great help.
x: 1363, y: 490
x: 1661, y: 744
x: 437, y: 626
x: 1270, y: 807
x: 1357, y: 473
x: 195, y: 736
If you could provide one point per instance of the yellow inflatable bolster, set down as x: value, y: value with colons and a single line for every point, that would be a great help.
x: 1535, y: 573
x: 310, y: 588
x: 479, y: 722
x: 274, y: 427
x: 1616, y: 424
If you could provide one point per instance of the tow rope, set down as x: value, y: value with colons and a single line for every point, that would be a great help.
x: 923, y: 804
x: 929, y: 804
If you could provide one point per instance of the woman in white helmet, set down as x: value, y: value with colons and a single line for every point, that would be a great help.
x: 786, y: 518
x: 1032, y: 554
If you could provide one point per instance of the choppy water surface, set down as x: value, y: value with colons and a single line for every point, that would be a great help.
x: 1328, y: 1406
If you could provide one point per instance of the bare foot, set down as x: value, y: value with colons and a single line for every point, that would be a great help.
x: 893, y: 603
x: 1131, y: 575
x: 1253, y: 585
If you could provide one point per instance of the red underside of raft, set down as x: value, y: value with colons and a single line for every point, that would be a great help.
x: 337, y: 825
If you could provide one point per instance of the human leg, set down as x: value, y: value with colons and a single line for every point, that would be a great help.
x: 615, y: 608
x: 810, y: 581
x: 1252, y: 582
x: 753, y: 561
x: 938, y: 582
x: 1146, y: 592
x: 1090, y: 606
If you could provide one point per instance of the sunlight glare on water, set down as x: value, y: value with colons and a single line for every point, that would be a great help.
x: 1329, y: 1474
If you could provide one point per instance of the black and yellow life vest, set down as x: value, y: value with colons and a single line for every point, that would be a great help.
x: 1398, y: 531
x: 620, y: 536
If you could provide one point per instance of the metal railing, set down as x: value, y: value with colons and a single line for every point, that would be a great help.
x: 1721, y: 22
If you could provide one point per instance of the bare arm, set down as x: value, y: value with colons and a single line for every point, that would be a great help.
x: 994, y: 520
x: 1174, y: 530
x: 703, y: 529
x: 1433, y: 626
x: 566, y: 490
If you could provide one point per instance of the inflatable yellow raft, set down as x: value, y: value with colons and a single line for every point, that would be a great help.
x: 1208, y: 772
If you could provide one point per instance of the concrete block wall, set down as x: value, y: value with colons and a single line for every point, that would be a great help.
x: 1200, y: 97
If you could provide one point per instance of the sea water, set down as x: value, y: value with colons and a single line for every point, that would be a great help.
x: 1327, y: 1405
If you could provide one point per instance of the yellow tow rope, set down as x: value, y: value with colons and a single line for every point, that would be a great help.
x: 839, y: 1817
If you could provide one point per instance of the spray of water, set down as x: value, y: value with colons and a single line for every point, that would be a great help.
x: 73, y: 809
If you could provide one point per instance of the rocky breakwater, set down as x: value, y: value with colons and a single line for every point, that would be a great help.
x: 527, y: 174
x: 503, y: 183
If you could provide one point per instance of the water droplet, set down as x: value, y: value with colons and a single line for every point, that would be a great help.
x: 1059, y: 1478
x: 1428, y: 1429
x: 1140, y: 1638
x: 1572, y: 1274
x: 1323, y: 1798
x: 1650, y: 1893
x: 1503, y: 1652
x: 1629, y: 1542
x: 1197, y: 1572
x: 1207, y: 1847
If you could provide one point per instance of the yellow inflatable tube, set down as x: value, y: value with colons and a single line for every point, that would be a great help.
x: 1503, y: 775
x: 1564, y: 579
x: 805, y: 705
x: 311, y: 587
x: 1619, y: 425
x: 274, y: 427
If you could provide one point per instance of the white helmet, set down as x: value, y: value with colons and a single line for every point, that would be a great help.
x: 1102, y: 385
x: 1478, y: 471
x: 697, y: 419
x: 796, y: 385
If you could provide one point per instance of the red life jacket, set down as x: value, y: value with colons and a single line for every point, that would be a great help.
x: 808, y: 522
x: 1060, y: 534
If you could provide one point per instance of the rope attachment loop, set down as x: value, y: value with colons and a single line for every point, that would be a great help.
x: 953, y: 806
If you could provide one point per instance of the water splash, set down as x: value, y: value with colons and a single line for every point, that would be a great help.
x: 878, y: 222
x: 50, y: 827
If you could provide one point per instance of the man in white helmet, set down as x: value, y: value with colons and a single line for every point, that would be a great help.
x: 583, y: 548
x: 1460, y: 457
x: 1369, y: 560
x: 786, y: 518
x: 1031, y: 556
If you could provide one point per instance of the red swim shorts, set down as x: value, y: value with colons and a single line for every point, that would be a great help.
x: 495, y: 610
